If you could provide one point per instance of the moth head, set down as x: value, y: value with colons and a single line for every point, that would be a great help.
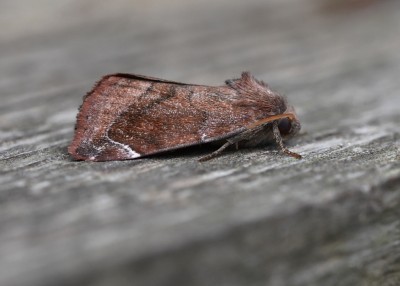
x: 288, y: 127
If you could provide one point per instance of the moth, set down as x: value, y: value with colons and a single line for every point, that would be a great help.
x: 127, y: 116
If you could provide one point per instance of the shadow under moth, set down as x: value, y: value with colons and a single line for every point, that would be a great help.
x: 127, y: 116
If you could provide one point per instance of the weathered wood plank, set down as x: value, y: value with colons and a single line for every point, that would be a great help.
x: 251, y: 217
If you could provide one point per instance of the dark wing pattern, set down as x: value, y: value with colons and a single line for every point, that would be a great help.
x: 128, y: 116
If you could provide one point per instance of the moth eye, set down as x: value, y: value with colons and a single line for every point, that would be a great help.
x: 284, y: 126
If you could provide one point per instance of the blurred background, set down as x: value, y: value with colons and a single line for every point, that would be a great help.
x: 305, y: 49
x: 337, y: 61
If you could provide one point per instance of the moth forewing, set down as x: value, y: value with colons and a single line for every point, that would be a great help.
x: 131, y: 116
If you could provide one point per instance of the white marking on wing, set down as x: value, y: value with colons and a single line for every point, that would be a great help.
x: 127, y: 148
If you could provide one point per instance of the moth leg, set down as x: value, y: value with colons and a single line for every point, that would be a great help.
x: 278, y: 139
x: 232, y: 141
x: 216, y: 153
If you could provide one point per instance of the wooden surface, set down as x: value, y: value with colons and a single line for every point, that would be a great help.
x: 252, y: 217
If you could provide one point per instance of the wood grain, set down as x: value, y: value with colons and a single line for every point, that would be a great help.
x: 252, y: 217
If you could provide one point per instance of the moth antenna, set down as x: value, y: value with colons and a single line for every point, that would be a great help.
x: 271, y: 119
x: 279, y: 141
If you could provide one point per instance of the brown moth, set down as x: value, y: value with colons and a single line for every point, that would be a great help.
x: 128, y: 116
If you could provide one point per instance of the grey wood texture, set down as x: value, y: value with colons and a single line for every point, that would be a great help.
x: 249, y: 217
